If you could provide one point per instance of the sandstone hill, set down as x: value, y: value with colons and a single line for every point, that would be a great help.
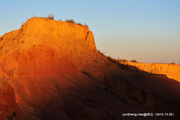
x: 51, y: 70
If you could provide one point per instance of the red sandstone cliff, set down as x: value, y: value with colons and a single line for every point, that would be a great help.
x: 57, y: 73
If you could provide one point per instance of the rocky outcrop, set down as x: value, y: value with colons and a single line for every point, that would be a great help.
x: 57, y: 73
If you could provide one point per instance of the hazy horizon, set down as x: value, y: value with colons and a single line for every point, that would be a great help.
x: 148, y: 31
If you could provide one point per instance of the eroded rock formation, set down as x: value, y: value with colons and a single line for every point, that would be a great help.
x: 57, y: 73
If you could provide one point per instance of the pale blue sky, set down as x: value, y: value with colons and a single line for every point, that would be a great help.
x: 130, y: 29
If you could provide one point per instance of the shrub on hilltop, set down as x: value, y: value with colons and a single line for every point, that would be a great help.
x: 134, y: 60
x: 50, y: 16
x: 102, y: 53
x: 79, y: 23
x: 70, y: 20
x: 123, y: 60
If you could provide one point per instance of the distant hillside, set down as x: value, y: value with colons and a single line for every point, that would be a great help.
x: 171, y: 70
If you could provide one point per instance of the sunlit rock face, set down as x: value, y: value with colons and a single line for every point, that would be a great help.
x: 54, y: 71
x: 39, y: 46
